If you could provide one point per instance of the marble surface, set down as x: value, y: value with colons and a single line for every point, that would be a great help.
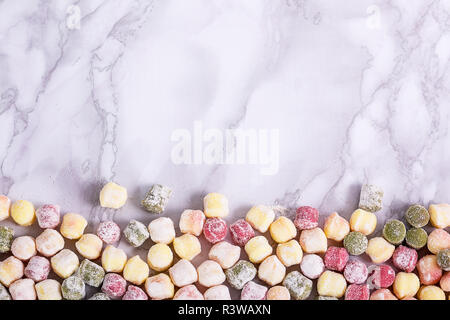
x: 93, y: 91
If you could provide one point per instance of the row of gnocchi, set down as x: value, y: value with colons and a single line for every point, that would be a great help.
x: 396, y: 271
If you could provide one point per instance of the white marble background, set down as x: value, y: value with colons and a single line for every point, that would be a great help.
x: 358, y: 89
